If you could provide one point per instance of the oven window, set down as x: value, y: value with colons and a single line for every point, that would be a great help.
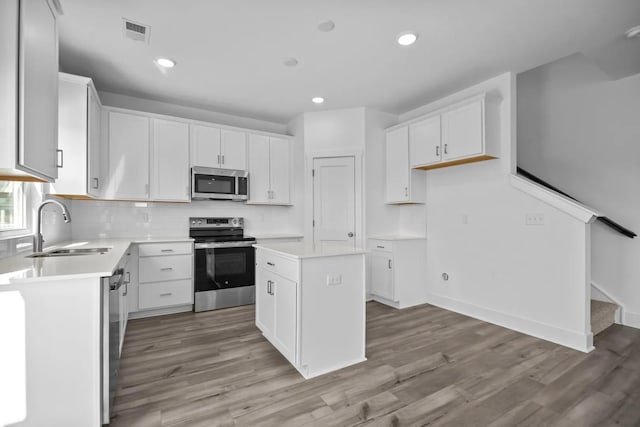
x: 212, y: 184
x: 223, y: 268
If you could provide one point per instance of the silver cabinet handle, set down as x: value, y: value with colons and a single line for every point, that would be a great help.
x: 271, y: 264
x: 96, y: 183
x: 223, y: 159
x: 166, y: 294
x: 381, y: 247
x: 445, y: 148
x: 166, y: 269
x: 60, y: 161
x: 269, y: 286
x: 350, y: 234
x: 437, y: 151
x: 406, y: 191
x: 219, y: 159
x: 166, y: 250
x: 389, y: 264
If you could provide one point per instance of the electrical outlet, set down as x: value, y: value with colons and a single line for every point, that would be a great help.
x: 534, y: 219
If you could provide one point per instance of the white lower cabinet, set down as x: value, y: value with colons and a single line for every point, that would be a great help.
x: 165, y: 276
x: 277, y: 312
x: 317, y: 326
x: 397, y: 270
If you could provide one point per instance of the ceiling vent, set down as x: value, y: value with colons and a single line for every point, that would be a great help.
x: 135, y: 31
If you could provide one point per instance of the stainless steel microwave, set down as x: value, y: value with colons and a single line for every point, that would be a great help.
x: 219, y: 184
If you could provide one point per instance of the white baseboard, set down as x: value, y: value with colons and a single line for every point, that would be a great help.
x: 578, y: 341
x: 631, y: 319
x: 160, y: 311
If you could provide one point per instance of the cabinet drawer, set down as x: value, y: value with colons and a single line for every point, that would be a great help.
x: 156, y: 249
x: 380, y: 245
x: 157, y: 269
x: 164, y: 294
x: 283, y: 266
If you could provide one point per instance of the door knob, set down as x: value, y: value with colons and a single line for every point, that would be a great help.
x: 350, y: 234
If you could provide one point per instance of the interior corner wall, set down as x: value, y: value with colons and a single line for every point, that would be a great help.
x: 528, y: 278
x: 580, y: 131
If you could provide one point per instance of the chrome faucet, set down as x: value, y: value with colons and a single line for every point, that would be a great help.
x: 37, y: 239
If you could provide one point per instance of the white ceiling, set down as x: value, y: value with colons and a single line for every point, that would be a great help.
x: 229, y: 52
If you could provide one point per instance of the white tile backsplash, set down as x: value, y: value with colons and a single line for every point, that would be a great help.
x: 103, y: 219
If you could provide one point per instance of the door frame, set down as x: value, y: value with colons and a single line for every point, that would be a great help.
x: 358, y: 188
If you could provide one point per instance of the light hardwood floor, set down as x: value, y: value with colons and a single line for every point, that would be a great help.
x: 426, y: 366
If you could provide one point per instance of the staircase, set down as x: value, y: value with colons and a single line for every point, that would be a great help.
x: 603, y: 315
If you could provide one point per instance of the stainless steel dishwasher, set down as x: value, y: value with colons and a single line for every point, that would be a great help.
x: 110, y: 340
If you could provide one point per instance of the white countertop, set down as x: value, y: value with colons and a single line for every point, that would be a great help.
x: 307, y: 250
x: 391, y: 237
x: 20, y: 269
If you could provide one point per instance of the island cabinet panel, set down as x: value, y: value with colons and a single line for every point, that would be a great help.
x: 311, y: 308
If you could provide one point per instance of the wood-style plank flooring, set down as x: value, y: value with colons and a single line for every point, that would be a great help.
x: 426, y: 366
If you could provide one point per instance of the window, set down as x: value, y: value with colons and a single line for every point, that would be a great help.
x: 12, y: 206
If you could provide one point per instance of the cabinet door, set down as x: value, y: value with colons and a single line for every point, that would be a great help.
x: 286, y: 317
x: 72, y: 138
x: 259, y: 190
x: 205, y: 146
x: 463, y: 132
x: 94, y: 175
x: 128, y: 156
x: 170, y: 161
x: 234, y: 149
x: 382, y: 275
x: 280, y: 169
x: 38, y: 89
x: 397, y: 167
x: 424, y: 140
x: 264, y: 302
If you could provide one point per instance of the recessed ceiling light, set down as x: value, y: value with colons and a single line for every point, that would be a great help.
x: 326, y: 25
x: 165, y: 62
x: 633, y: 32
x: 290, y: 62
x: 407, y: 39
x: 317, y: 100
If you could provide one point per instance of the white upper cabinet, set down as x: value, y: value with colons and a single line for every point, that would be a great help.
x: 170, y: 161
x: 463, y: 133
x: 129, y: 139
x: 205, y: 146
x: 280, y: 170
x: 28, y: 90
x: 218, y: 148
x: 233, y: 149
x: 79, y: 112
x: 403, y: 184
x: 424, y: 137
x: 269, y: 170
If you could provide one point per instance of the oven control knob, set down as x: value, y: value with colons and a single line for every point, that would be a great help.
x: 193, y: 222
x: 235, y: 222
x: 199, y: 221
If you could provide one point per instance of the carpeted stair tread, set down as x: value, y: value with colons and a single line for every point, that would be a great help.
x: 603, y: 315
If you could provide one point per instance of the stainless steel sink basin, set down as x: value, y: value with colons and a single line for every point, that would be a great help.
x: 69, y: 252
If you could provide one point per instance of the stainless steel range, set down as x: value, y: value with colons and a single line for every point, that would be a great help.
x: 224, y: 267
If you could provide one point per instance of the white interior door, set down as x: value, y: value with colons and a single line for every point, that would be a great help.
x: 334, y: 200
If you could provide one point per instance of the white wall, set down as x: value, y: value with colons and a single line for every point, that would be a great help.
x: 528, y: 278
x: 157, y: 107
x: 579, y: 130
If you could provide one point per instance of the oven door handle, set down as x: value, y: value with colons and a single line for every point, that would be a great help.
x: 218, y: 245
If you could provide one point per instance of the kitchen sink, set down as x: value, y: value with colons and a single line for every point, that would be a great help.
x: 69, y: 252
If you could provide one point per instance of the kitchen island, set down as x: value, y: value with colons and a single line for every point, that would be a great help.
x: 310, y: 304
